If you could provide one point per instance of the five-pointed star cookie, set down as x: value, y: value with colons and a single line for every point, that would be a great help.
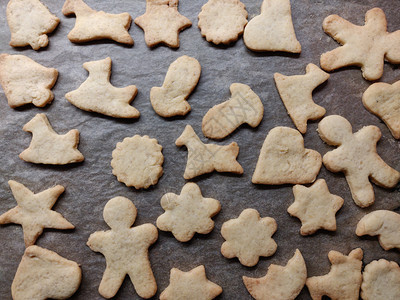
x: 34, y: 212
x: 162, y: 23
x: 187, y: 213
x: 315, y: 207
x: 248, y: 237
x: 190, y: 285
x: 365, y: 46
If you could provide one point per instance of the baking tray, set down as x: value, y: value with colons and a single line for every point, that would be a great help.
x: 89, y: 185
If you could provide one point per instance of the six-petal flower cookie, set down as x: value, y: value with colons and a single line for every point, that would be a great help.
x: 34, y: 212
x: 187, y: 213
x: 315, y: 207
x: 248, y: 237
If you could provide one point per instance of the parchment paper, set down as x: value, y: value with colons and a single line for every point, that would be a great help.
x: 89, y: 185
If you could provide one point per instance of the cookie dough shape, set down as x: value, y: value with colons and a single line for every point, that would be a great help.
x: 93, y: 25
x: 343, y: 280
x: 137, y: 161
x: 47, y: 147
x: 315, y: 207
x: 190, y: 285
x: 381, y: 280
x: 383, y: 100
x: 283, y: 159
x: 97, y: 94
x: 187, y: 213
x: 356, y: 157
x: 25, y: 81
x: 222, y: 21
x: 296, y: 94
x: 280, y: 283
x: 29, y: 22
x: 364, y: 46
x: 162, y: 23
x: 44, y: 274
x: 272, y: 30
x: 205, y: 158
x: 34, y: 212
x: 182, y: 77
x: 125, y: 249
x: 383, y: 223
x: 248, y: 237
x: 244, y: 106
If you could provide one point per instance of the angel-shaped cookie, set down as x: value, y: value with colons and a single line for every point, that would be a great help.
x: 356, y: 157
x: 29, y: 22
x: 25, y: 81
x: 97, y: 94
x: 344, y: 279
x: 162, y: 23
x: 125, y: 249
x: 95, y: 25
x: 187, y: 213
x: 365, y: 46
x: 48, y: 147
x: 205, y: 158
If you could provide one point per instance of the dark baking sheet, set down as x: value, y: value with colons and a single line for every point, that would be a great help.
x: 90, y: 185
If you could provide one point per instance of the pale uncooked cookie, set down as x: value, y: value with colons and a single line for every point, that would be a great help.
x: 343, y: 280
x: 137, y: 161
x: 205, y: 158
x: 125, y: 249
x: 248, y: 237
x: 25, y: 81
x: 280, y: 283
x: 34, y: 212
x: 315, y: 207
x: 93, y: 25
x: 365, y: 46
x: 381, y: 281
x: 44, y: 274
x: 383, y: 100
x: 97, y: 94
x: 383, y: 223
x: 283, y: 159
x: 192, y: 285
x: 272, y: 30
x: 162, y: 23
x: 244, y: 106
x: 296, y: 94
x: 182, y: 77
x: 222, y: 21
x: 29, y: 22
x: 187, y: 213
x: 48, y: 147
x: 356, y: 157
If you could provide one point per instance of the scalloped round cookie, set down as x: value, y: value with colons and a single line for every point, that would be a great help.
x: 137, y: 161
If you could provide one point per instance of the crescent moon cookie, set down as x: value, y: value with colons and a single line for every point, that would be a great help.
x: 356, y: 157
x: 248, y: 237
x: 383, y: 223
x: 29, y: 22
x: 137, y: 161
x: 365, y: 46
x: 280, y: 283
x: 25, y: 81
x: 222, y: 21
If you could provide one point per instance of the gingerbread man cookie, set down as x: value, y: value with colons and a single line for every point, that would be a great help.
x: 125, y: 249
x: 356, y: 157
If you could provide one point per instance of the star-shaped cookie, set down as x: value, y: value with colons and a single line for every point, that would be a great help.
x: 315, y: 207
x: 162, y: 23
x: 34, y: 212
x: 248, y: 237
x: 187, y: 213
x: 190, y: 285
